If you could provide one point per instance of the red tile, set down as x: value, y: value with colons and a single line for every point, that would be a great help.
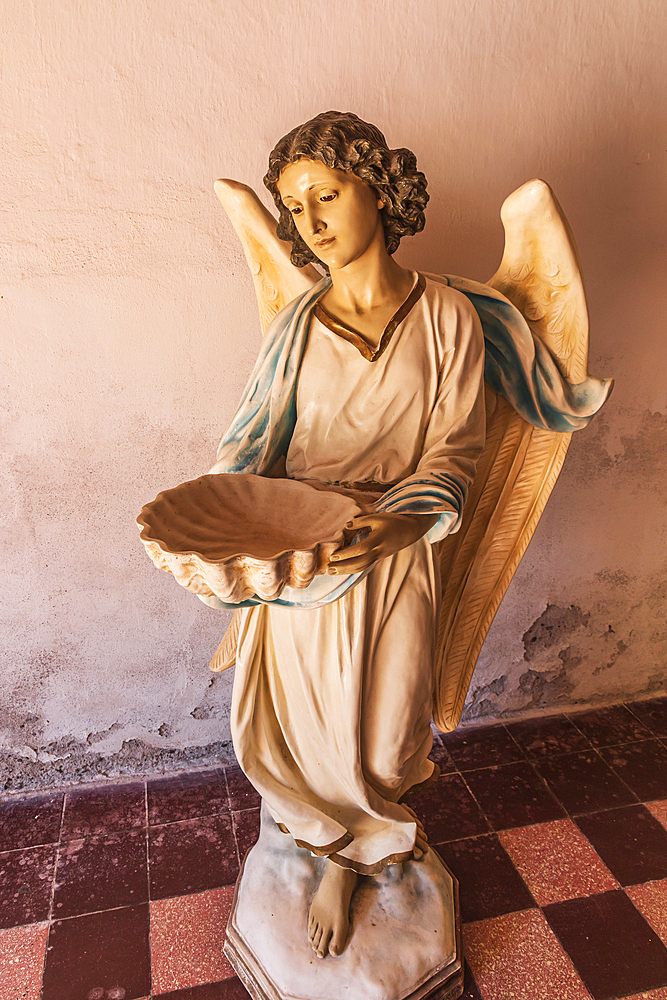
x: 659, y: 810
x: 440, y: 756
x: 187, y: 935
x: 605, y: 727
x: 556, y: 861
x: 228, y: 989
x: 192, y: 856
x: 517, y: 955
x: 22, y: 961
x: 642, y: 766
x: 513, y: 795
x: 583, y: 782
x: 470, y: 987
x: 26, y: 883
x: 630, y: 841
x: 186, y: 796
x: 611, y: 945
x: 242, y: 795
x: 104, y: 952
x: 651, y: 995
x: 106, y: 809
x: 489, y: 882
x: 481, y: 747
x: 652, y: 713
x: 29, y: 822
x: 101, y: 873
x: 246, y: 830
x: 547, y: 737
x: 651, y: 900
x: 448, y: 810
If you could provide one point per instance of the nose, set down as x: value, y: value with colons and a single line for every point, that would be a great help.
x: 314, y: 223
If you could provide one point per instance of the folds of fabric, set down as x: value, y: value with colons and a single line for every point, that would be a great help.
x: 520, y: 367
x: 517, y: 365
x: 331, y: 712
x: 332, y: 705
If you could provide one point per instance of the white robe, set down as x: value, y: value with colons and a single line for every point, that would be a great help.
x: 331, y: 707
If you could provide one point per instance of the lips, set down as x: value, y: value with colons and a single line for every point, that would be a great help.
x: 321, y: 244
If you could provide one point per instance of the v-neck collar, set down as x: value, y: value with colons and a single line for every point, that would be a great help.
x: 347, y: 333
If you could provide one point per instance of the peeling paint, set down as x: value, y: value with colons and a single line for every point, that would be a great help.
x: 553, y: 626
x: 637, y: 463
x: 209, y: 707
x: 98, y: 737
x: 620, y: 649
x: 479, y: 705
x: 53, y: 768
x: 132, y: 327
x: 546, y: 688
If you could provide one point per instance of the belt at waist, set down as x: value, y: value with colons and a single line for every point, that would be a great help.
x: 366, y: 487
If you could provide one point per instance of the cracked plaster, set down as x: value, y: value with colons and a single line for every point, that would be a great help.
x: 129, y: 329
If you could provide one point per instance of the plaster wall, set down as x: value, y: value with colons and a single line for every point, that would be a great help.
x: 128, y: 327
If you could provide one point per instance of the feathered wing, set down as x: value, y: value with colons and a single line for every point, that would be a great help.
x: 539, y: 273
x: 225, y: 655
x: 277, y: 281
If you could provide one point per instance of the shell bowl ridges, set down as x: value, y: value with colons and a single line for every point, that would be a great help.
x: 183, y: 526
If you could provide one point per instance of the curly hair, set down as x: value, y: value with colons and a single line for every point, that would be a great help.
x: 345, y: 142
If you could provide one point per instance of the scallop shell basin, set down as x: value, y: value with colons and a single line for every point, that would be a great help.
x: 240, y: 536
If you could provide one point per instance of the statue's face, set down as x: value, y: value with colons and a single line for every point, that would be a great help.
x: 336, y: 214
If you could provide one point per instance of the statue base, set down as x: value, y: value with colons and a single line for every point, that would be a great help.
x: 405, y: 938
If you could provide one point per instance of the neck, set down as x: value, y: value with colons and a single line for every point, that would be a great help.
x: 370, y: 282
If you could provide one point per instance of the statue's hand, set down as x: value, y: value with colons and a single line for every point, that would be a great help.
x: 386, y: 534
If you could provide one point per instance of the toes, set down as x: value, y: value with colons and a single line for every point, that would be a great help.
x: 315, y: 937
x: 337, y: 944
x: 323, y: 949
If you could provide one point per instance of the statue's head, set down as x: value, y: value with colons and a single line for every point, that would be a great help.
x: 345, y: 142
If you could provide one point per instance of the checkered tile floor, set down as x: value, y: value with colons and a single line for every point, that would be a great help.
x: 556, y: 829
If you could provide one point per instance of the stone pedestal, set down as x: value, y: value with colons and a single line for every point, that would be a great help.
x: 405, y: 941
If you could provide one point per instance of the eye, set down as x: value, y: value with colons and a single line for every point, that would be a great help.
x: 330, y: 196
x: 295, y: 210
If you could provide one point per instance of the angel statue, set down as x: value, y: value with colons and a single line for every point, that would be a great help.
x: 447, y: 406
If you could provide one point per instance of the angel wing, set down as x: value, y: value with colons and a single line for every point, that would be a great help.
x: 277, y: 281
x: 539, y: 273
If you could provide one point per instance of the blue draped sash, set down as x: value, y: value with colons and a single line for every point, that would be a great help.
x: 517, y: 365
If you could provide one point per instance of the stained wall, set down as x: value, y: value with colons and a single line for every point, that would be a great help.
x: 128, y: 327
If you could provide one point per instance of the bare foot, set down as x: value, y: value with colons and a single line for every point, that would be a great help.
x: 329, y: 917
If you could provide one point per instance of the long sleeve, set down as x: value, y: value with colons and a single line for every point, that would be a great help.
x: 455, y: 433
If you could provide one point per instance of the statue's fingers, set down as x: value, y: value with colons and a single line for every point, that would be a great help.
x: 340, y: 554
x: 366, y: 550
x: 363, y: 521
x: 348, y: 566
x: 353, y: 551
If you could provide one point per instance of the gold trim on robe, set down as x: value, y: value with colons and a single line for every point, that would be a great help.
x: 347, y: 333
